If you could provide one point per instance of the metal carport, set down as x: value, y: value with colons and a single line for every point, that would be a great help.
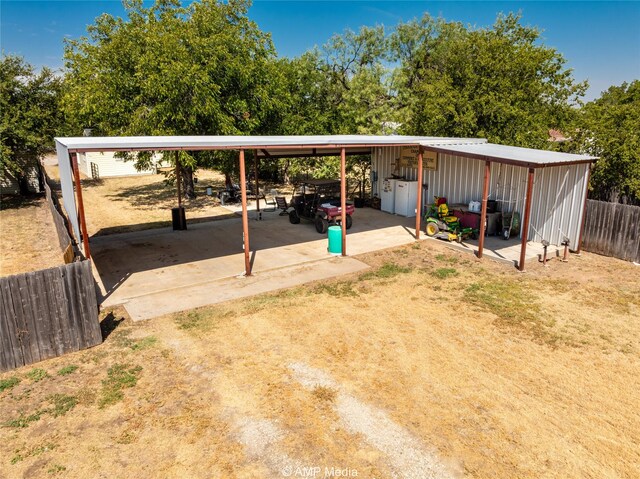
x: 298, y: 146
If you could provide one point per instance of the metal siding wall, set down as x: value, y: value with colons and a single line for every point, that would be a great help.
x: 557, y: 202
x: 558, y: 197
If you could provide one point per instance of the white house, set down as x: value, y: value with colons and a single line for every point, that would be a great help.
x: 107, y: 164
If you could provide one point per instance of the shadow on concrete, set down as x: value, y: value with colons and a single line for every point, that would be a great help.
x: 213, y: 250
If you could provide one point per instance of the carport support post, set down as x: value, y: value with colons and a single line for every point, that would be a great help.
x: 527, y: 217
x: 343, y: 198
x: 255, y: 171
x: 584, y: 211
x: 419, y: 200
x: 73, y: 157
x: 245, y: 217
x: 178, y: 180
x: 483, y: 214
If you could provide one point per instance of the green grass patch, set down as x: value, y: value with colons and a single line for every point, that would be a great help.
x: 200, y: 320
x: 144, y: 343
x: 62, y: 404
x: 446, y: 258
x: 56, y: 469
x: 24, y: 420
x: 515, y: 307
x: 9, y: 383
x: 65, y: 371
x: 340, y: 289
x: 37, y: 374
x: 387, y: 270
x: 443, y: 273
x: 119, y: 377
x: 36, y: 451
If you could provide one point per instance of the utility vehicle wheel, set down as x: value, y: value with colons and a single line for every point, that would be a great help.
x: 474, y: 236
x: 322, y: 225
x: 294, y: 219
x: 431, y: 229
x: 506, y: 233
x: 349, y: 221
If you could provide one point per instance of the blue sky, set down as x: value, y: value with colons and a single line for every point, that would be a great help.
x: 600, y: 40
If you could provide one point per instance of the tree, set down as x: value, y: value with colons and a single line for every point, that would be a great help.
x: 204, y: 69
x: 30, y: 116
x: 609, y: 127
x: 498, y: 83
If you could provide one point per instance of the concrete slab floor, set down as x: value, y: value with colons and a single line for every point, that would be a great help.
x: 160, y: 271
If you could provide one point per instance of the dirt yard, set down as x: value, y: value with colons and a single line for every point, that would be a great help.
x: 116, y: 205
x: 431, y: 364
x: 28, y: 240
x: 133, y: 203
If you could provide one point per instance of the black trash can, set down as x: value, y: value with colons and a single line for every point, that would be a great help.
x: 178, y: 218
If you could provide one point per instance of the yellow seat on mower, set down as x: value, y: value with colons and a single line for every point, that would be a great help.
x: 443, y: 212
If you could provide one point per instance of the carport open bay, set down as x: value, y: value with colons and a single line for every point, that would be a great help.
x: 161, y: 271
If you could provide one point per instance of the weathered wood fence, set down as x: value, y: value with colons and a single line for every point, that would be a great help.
x: 47, y: 313
x: 68, y: 246
x: 612, y: 229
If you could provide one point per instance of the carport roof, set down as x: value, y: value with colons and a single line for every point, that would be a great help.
x: 527, y: 157
x: 271, y: 144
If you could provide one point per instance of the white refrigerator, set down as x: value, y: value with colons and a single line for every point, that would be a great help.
x: 406, y: 198
x: 388, y: 195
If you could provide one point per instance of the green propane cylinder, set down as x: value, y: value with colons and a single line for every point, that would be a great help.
x: 335, y: 240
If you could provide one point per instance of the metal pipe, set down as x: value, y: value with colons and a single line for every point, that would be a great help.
x: 545, y: 245
x: 245, y: 217
x: 73, y: 157
x: 565, y: 255
x: 255, y: 172
x: 178, y: 182
x: 343, y: 198
x: 419, y: 199
x: 483, y: 213
x: 584, y: 211
x: 527, y: 218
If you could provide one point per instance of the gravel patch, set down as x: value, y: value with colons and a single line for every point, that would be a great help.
x: 407, y: 456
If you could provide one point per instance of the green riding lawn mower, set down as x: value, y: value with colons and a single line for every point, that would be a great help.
x: 440, y: 224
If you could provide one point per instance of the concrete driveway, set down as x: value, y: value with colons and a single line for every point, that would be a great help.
x: 161, y: 271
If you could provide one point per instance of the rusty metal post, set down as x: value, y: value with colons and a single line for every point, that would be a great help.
x: 584, y: 211
x: 419, y: 200
x: 73, y: 157
x: 545, y: 245
x: 255, y: 172
x: 343, y: 198
x: 483, y: 213
x: 178, y: 179
x: 527, y: 218
x: 565, y: 255
x: 245, y: 217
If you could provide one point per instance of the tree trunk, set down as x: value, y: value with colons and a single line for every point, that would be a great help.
x: 188, y: 188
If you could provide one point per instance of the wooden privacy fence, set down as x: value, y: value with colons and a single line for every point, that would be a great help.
x: 67, y: 245
x: 612, y: 229
x: 47, y: 313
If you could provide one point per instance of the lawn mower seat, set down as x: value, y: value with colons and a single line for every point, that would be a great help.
x: 443, y: 213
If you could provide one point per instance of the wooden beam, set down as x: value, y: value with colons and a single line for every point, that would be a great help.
x: 245, y: 217
x: 419, y: 200
x: 343, y: 198
x: 73, y: 157
x: 527, y: 218
x: 483, y: 214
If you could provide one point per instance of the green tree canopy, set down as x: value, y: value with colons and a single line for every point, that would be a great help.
x: 610, y: 129
x: 29, y: 114
x: 499, y: 83
x: 205, y: 69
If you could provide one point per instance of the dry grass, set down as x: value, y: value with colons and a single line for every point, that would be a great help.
x: 491, y: 372
x: 28, y: 240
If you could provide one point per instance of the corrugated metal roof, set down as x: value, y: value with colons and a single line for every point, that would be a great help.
x: 528, y: 157
x: 109, y: 143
